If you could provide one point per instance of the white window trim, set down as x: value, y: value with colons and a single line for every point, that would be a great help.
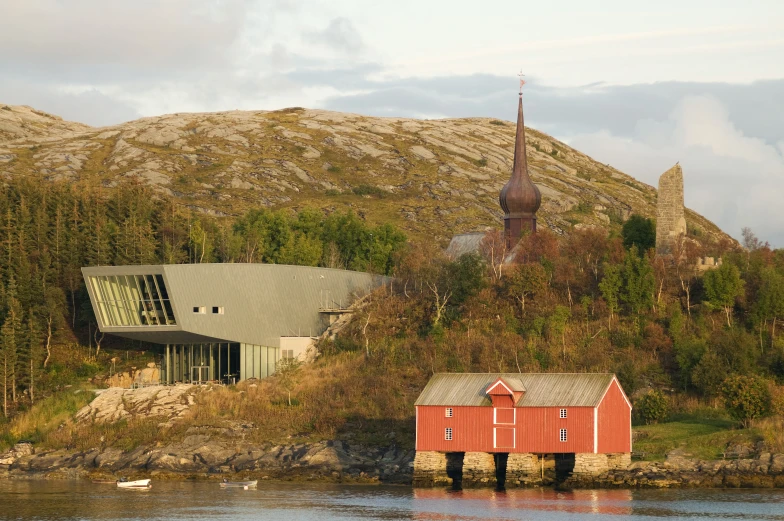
x: 563, y: 436
x: 514, y: 415
x: 562, y: 414
x: 220, y: 310
x: 449, y: 412
x: 448, y: 434
x: 202, y: 310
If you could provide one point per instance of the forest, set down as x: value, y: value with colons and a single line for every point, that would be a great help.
x: 50, y: 231
x: 679, y: 337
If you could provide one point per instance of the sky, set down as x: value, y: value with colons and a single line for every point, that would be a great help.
x: 637, y: 85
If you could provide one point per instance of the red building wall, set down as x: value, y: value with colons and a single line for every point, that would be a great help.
x: 540, y: 426
x: 536, y: 429
x: 615, y: 421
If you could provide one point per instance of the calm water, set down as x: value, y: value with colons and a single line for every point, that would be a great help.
x: 201, y: 501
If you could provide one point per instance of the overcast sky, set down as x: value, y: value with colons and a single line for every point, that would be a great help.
x: 700, y: 82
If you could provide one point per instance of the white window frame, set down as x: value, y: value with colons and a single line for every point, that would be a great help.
x: 218, y: 310
x: 514, y: 415
x: 449, y: 412
x: 200, y: 310
x: 448, y: 434
x: 562, y: 414
x: 562, y: 435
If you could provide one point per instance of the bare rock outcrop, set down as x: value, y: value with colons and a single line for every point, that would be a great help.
x: 115, y: 403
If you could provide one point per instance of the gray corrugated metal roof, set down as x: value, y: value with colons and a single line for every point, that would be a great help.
x: 262, y: 302
x: 464, y: 243
x: 541, y: 389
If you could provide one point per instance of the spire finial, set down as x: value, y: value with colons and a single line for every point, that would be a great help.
x: 522, y: 81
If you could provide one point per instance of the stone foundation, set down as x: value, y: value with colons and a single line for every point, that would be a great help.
x: 430, y: 469
x: 619, y: 460
x: 523, y: 469
x: 479, y: 469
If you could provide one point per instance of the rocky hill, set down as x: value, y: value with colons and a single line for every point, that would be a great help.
x: 432, y: 178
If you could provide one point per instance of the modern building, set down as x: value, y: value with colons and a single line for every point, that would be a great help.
x: 528, y: 416
x: 225, y: 322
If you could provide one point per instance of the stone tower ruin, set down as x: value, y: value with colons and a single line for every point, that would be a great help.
x: 670, y: 218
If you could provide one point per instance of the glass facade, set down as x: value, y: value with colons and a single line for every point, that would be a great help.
x: 132, y: 300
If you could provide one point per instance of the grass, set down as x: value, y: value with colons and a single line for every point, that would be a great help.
x: 44, y: 417
x: 702, y: 437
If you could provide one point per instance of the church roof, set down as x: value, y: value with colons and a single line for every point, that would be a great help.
x: 520, y: 196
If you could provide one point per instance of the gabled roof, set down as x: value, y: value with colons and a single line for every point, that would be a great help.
x: 541, y: 389
x: 513, y: 385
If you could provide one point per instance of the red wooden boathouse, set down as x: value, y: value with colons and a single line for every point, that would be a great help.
x: 524, y: 413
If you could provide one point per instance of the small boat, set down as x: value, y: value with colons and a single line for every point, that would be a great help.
x: 139, y: 483
x: 238, y: 484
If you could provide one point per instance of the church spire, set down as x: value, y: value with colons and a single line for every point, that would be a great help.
x: 519, y: 198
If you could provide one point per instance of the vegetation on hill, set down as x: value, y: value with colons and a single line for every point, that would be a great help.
x: 318, y: 188
x: 49, y: 231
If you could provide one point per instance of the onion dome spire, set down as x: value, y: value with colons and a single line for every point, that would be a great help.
x: 519, y: 198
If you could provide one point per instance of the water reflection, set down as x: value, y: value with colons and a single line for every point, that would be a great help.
x: 607, y: 502
x: 71, y: 500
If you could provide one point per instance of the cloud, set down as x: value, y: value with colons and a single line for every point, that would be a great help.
x: 74, y: 39
x: 728, y: 138
x: 729, y: 177
x: 340, y: 34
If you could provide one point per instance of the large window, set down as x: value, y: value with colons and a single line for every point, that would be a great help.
x: 562, y: 435
x: 132, y: 300
x: 448, y: 434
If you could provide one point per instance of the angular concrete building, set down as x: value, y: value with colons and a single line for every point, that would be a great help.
x: 226, y: 322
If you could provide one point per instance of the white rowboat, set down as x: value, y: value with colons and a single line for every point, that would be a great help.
x: 239, y: 484
x: 139, y: 483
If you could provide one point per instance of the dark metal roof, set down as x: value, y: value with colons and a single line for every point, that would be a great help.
x: 541, y: 389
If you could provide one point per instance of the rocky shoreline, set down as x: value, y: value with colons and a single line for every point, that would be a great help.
x: 202, y: 457
x: 199, y: 456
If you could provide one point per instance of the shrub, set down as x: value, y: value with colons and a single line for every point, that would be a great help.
x: 364, y: 189
x: 652, y: 407
x: 494, y: 122
x: 639, y: 231
x: 746, y: 398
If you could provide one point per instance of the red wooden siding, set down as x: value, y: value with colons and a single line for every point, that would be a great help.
x: 540, y: 429
x: 502, y: 400
x: 614, y: 415
x: 537, y: 429
x: 505, y: 438
x: 505, y: 416
x: 472, y: 429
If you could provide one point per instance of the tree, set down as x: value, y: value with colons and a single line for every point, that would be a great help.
x: 287, y: 374
x: 9, y: 355
x: 493, y: 249
x: 639, y: 231
x: 746, y: 398
x: 32, y: 352
x: 526, y: 280
x: 610, y: 286
x: 722, y: 287
x: 652, y: 407
x: 638, y: 283
x: 769, y: 304
x: 557, y: 325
